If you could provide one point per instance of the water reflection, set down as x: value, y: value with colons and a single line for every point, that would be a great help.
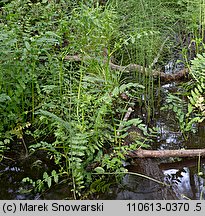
x: 186, y: 185
x: 11, y: 184
x: 184, y: 182
x: 180, y: 181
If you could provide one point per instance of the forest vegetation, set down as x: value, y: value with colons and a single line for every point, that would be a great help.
x: 67, y: 90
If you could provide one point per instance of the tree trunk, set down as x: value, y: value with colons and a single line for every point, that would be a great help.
x: 166, y: 153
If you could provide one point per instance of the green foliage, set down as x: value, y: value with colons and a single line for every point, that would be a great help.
x: 197, y: 99
x: 3, y: 147
x: 184, y: 118
x: 193, y: 111
x: 197, y: 92
x: 139, y: 32
x: 178, y: 106
x: 26, y: 40
x: 92, y: 28
x: 74, y: 110
x: 198, y: 69
x: 100, y: 186
x: 42, y: 185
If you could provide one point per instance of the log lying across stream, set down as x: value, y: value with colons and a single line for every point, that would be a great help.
x: 164, y: 77
x: 141, y: 153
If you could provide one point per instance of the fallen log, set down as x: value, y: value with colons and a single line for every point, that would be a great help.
x: 141, y: 153
x: 164, y: 77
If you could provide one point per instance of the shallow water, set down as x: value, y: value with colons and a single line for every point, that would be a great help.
x: 182, y: 175
x: 185, y: 177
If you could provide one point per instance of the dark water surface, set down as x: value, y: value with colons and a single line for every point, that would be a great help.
x: 181, y: 174
x: 185, y: 177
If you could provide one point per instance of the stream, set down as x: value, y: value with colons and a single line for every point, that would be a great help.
x: 185, y: 177
x: 182, y: 175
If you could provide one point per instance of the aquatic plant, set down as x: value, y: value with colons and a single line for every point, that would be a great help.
x: 75, y: 110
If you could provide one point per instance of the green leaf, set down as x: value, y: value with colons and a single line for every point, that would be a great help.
x: 54, y: 118
x: 4, y: 97
x: 28, y: 47
x: 99, y: 170
x: 56, y: 179
x: 27, y: 179
x: 49, y: 181
x: 200, y: 88
x: 190, y: 108
x: 192, y: 101
x: 197, y: 91
x: 45, y: 175
x: 50, y: 33
x: 53, y: 173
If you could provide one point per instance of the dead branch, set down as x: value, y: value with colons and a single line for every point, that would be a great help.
x: 141, y: 153
x: 126, y: 117
x: 134, y: 67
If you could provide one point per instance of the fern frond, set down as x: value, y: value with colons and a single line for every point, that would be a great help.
x: 54, y: 118
x: 198, y: 68
x: 196, y: 99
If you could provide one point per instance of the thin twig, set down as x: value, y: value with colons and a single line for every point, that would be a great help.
x: 25, y: 147
x: 126, y: 117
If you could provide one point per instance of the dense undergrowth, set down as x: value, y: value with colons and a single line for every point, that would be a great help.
x: 74, y: 110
